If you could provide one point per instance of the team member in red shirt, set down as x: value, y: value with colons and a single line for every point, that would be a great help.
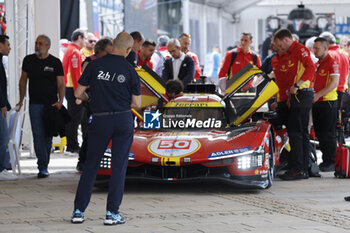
x: 144, y: 55
x: 294, y: 73
x: 72, y: 61
x: 185, y: 42
x: 324, y: 109
x: 342, y: 59
x: 244, y: 55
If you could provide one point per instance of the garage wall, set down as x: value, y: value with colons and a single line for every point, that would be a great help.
x: 209, y: 26
x: 47, y: 21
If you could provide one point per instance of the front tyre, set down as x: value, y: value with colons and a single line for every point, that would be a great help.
x: 270, y: 174
x: 271, y: 170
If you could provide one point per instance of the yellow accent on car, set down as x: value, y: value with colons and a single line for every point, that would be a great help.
x: 240, y: 80
x: 169, y: 161
x: 137, y: 114
x: 270, y: 90
x: 147, y: 100
x: 150, y: 80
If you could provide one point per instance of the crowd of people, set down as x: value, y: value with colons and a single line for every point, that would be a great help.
x: 306, y: 85
x: 99, y: 82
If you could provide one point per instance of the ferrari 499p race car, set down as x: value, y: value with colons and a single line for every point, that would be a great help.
x: 201, y: 135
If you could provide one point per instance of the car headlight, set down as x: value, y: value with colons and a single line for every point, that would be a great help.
x: 252, y: 160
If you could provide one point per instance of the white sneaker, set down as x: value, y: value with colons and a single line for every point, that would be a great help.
x: 5, y: 175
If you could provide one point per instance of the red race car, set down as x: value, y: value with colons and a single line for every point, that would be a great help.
x: 201, y: 135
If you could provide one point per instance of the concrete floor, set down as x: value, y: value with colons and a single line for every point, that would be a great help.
x: 45, y: 205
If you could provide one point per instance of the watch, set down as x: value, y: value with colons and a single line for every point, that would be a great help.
x: 296, y: 85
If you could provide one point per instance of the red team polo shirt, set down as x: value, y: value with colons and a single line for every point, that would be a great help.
x: 292, y: 66
x: 325, y: 68
x: 147, y: 61
x: 279, y: 68
x: 342, y: 59
x: 72, y: 65
x: 241, y: 61
x: 198, y: 70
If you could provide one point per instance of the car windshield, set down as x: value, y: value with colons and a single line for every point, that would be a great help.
x: 194, y: 117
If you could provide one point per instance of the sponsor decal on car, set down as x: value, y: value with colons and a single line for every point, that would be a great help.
x: 173, y: 147
x: 108, y: 152
x: 228, y: 153
x: 169, y: 134
x: 261, y: 172
x: 191, y: 123
x: 151, y: 119
x: 267, y: 141
x: 194, y: 104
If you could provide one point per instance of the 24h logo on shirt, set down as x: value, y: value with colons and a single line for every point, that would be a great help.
x: 151, y: 119
x: 106, y: 76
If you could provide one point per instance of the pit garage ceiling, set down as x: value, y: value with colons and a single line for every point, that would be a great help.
x: 229, y: 6
x: 236, y: 6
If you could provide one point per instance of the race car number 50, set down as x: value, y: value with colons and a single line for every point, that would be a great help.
x: 171, y: 144
x: 173, y: 147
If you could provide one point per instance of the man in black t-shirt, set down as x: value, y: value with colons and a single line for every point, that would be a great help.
x: 46, y: 81
x: 115, y: 89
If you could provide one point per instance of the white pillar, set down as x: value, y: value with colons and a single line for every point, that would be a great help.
x: 186, y: 15
x: 89, y: 16
x: 12, y: 58
x: 203, y: 33
x: 25, y: 20
x: 47, y: 21
x: 220, y: 30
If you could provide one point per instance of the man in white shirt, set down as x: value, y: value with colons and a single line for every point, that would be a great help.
x: 179, y: 66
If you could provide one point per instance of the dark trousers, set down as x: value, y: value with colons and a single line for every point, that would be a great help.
x: 339, y: 129
x: 84, y: 128
x: 118, y: 128
x: 340, y: 100
x: 42, y: 142
x: 324, y: 115
x: 75, y: 111
x: 4, y: 140
x: 296, y: 119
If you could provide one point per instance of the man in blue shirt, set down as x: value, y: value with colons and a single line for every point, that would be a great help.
x: 212, y: 64
x: 115, y: 89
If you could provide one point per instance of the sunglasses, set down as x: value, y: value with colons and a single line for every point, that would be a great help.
x: 92, y: 41
x: 186, y: 35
